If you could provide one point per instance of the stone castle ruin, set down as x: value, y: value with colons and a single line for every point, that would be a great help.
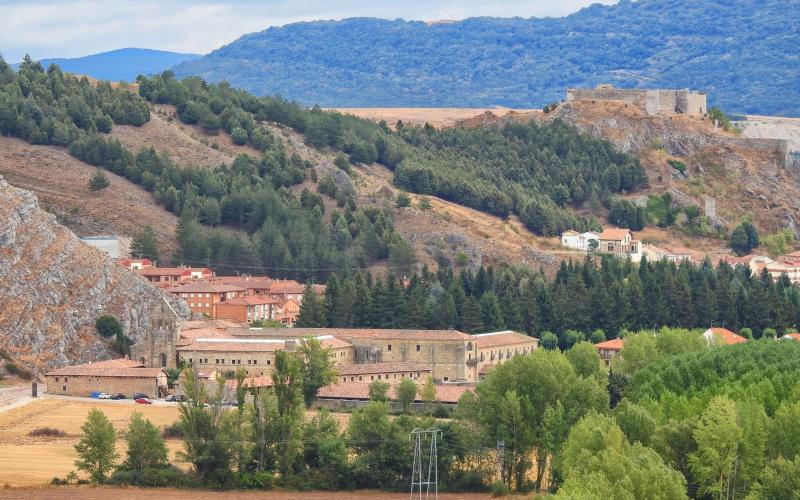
x: 654, y: 102
x: 666, y: 102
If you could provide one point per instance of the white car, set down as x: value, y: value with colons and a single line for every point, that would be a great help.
x: 104, y: 395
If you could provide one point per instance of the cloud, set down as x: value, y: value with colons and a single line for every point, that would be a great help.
x: 70, y: 28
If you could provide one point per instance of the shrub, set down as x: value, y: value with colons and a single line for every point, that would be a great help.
x: 20, y: 372
x: 98, y: 181
x: 257, y: 480
x: 402, y: 200
x: 46, y: 432
x: 172, y: 431
x: 499, y: 489
x: 152, y: 477
x: 441, y: 411
x: 746, y: 333
x: 677, y: 165
x: 108, y: 326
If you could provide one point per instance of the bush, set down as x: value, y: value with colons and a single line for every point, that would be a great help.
x: 172, y: 431
x: 108, y: 326
x: 746, y: 333
x: 257, y: 481
x: 98, y: 181
x: 677, y: 165
x: 499, y: 489
x: 20, y: 372
x: 46, y: 432
x: 402, y: 200
x: 152, y: 477
x: 441, y: 411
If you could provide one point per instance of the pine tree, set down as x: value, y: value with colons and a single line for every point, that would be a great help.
x: 98, y: 181
x: 312, y: 310
x: 145, y: 244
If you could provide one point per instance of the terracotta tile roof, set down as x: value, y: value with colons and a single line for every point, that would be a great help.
x: 727, y: 336
x: 128, y: 262
x: 254, y: 283
x: 615, y: 234
x: 374, y: 333
x: 367, y: 368
x: 611, y: 345
x: 485, y: 369
x: 218, y: 344
x: 507, y: 337
x: 111, y: 368
x: 204, y: 287
x: 286, y: 287
x: 165, y: 271
x: 570, y: 232
x: 250, y: 300
x: 791, y: 336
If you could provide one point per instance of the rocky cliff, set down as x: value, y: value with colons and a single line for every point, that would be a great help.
x: 53, y: 287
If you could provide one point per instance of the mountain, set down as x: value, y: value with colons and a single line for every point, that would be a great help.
x: 120, y: 64
x: 53, y: 287
x: 742, y: 52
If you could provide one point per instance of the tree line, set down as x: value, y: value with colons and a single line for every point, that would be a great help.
x: 674, y: 416
x: 584, y: 300
x: 51, y: 107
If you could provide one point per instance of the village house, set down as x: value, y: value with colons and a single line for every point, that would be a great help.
x: 722, y: 335
x: 246, y: 309
x: 609, y: 349
x: 135, y: 264
x: 287, y: 311
x: 123, y: 376
x: 203, y: 297
x: 579, y: 241
x: 255, y: 285
x: 173, y: 276
x: 620, y: 243
x: 287, y: 290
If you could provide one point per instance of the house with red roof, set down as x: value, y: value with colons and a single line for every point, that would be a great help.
x: 135, y: 264
x: 246, y: 309
x: 609, y: 349
x: 723, y: 335
x: 620, y: 243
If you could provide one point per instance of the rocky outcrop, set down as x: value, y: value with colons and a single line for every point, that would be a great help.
x: 53, y: 287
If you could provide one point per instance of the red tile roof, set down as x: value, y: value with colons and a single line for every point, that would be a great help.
x: 286, y: 287
x: 727, y: 336
x: 792, y: 336
x: 165, y: 271
x: 611, y: 345
x: 204, y: 287
x: 112, y: 368
x: 615, y: 234
x: 484, y: 340
x: 251, y: 300
x: 373, y: 333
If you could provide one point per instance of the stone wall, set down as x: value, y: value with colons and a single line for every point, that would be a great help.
x: 653, y: 102
x: 777, y: 147
x: 84, y: 386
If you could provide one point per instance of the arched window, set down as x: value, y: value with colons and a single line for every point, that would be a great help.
x: 163, y: 360
x: 469, y: 346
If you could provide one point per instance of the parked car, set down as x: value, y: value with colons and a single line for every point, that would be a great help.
x: 228, y: 402
x: 176, y: 398
x: 104, y: 395
x: 143, y: 401
x: 138, y: 395
x: 118, y: 396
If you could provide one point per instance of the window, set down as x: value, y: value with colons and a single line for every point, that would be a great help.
x: 372, y: 377
x: 56, y: 379
x: 360, y: 378
x: 64, y: 388
x: 446, y: 379
x: 216, y: 361
x: 389, y: 347
x: 269, y: 362
x: 417, y: 347
x: 255, y: 362
x: 163, y: 360
x: 65, y: 379
x: 352, y: 379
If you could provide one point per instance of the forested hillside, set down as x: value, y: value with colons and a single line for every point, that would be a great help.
x: 121, y: 64
x: 738, y: 50
x: 240, y: 216
x: 531, y: 170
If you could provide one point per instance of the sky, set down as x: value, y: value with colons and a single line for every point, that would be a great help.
x: 71, y: 28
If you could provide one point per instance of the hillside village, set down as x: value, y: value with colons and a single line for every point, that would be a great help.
x: 209, y: 289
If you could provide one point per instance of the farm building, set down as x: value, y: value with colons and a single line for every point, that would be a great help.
x: 123, y: 376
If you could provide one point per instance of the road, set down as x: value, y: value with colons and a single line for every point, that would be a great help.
x: 13, y: 397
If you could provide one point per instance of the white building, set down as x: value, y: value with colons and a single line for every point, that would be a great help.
x: 578, y: 241
x: 108, y: 244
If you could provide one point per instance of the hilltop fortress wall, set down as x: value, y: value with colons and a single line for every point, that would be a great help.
x: 663, y: 102
x: 653, y: 101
